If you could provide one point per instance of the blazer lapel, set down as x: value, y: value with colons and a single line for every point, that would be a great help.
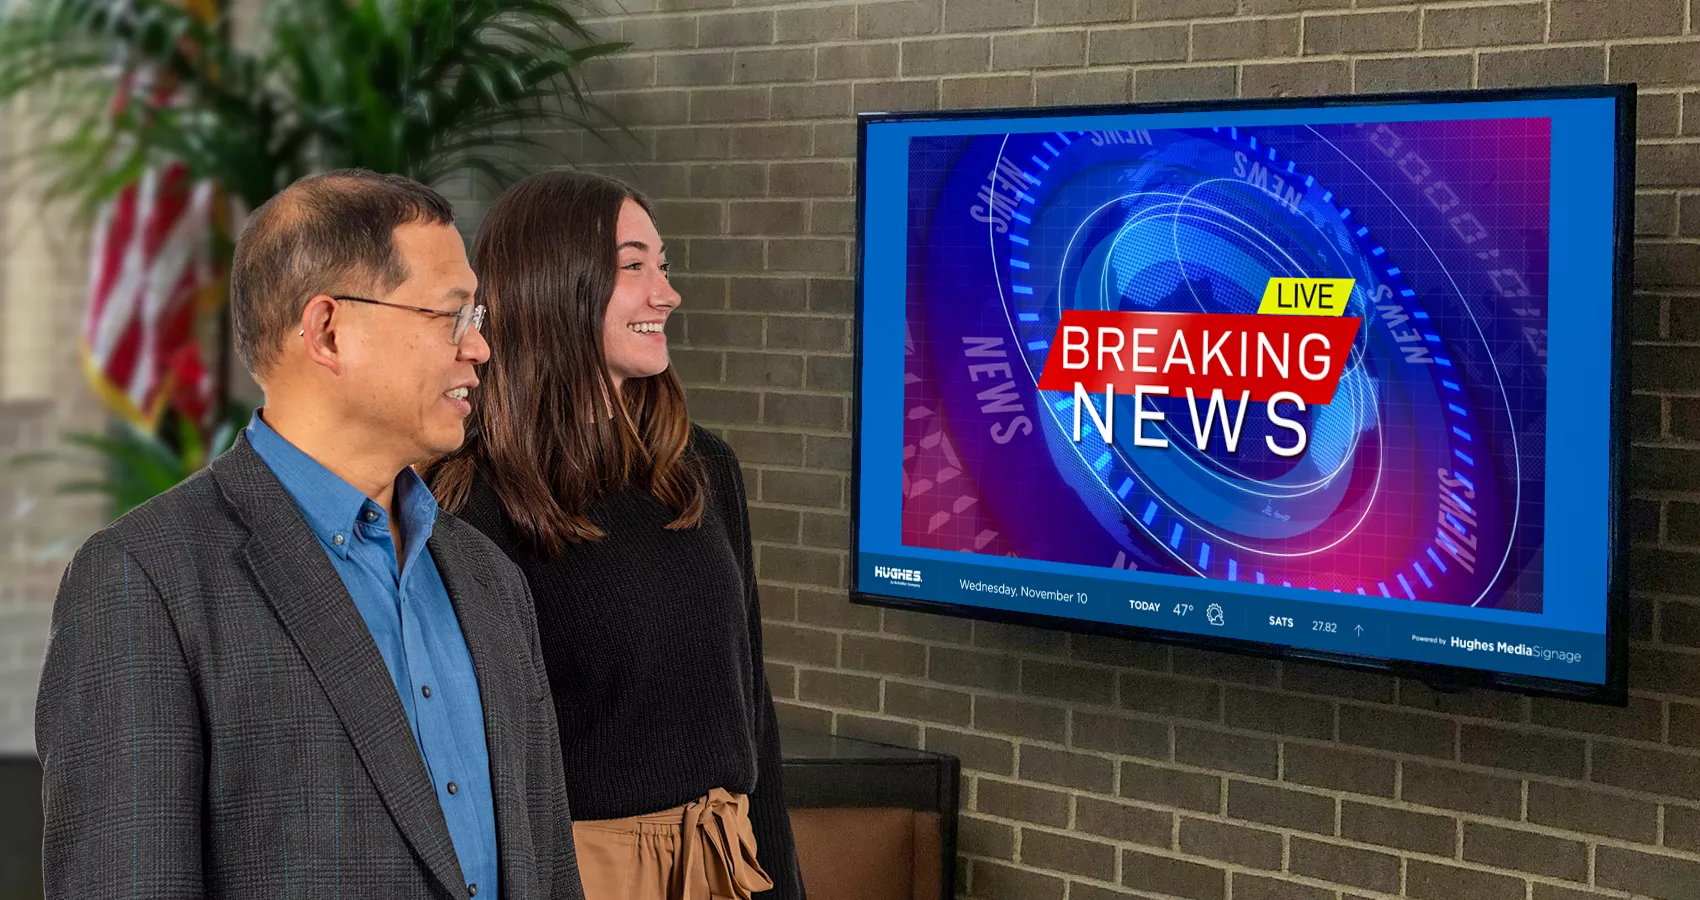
x: 297, y: 579
x: 494, y: 643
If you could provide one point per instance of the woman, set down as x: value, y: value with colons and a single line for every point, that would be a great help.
x: 629, y: 523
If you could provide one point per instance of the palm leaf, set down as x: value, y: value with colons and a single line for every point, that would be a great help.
x: 422, y: 88
x: 135, y: 464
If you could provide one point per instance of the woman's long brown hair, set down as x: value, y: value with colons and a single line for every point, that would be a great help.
x: 541, y: 430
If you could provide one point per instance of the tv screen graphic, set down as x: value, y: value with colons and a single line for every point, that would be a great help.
x: 1335, y: 378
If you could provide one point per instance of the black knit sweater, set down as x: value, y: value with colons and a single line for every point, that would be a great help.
x: 652, y: 639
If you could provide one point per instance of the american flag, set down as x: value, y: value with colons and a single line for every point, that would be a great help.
x: 151, y: 268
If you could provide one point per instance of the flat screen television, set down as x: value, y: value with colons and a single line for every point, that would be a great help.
x: 1337, y: 378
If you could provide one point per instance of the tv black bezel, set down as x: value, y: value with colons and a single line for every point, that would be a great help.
x: 1614, y: 690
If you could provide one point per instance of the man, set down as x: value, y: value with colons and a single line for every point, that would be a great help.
x: 288, y: 676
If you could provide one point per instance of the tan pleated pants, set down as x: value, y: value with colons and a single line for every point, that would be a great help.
x: 704, y: 850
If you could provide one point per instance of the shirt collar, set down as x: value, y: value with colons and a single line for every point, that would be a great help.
x: 334, y: 508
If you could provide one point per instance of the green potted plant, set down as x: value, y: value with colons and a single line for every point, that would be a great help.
x: 424, y: 88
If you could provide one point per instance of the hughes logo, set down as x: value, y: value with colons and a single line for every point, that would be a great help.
x: 1473, y: 645
x: 899, y: 576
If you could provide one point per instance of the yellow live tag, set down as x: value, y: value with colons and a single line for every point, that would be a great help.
x: 1306, y: 296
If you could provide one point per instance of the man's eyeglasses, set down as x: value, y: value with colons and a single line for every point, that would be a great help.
x: 469, y: 317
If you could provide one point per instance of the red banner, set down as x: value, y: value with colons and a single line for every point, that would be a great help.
x: 1266, y: 355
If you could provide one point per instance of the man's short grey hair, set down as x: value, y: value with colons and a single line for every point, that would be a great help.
x: 325, y: 234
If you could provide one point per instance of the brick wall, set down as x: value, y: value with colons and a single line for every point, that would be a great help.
x: 1096, y: 768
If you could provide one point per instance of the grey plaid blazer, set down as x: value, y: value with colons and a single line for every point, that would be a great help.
x: 215, y: 719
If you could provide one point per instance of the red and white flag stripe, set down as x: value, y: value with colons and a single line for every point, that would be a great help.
x: 150, y: 261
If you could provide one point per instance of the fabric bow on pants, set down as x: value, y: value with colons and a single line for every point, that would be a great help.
x: 704, y: 850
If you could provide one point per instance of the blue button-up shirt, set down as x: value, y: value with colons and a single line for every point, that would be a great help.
x: 407, y: 608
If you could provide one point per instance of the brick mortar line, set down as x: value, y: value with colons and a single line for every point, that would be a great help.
x: 802, y: 507
x: 1316, y: 743
x: 770, y: 543
x: 1024, y: 867
x: 806, y: 431
x: 1663, y: 542
x: 1479, y: 4
x: 1176, y: 852
x: 1589, y: 840
x: 783, y: 430
x: 769, y: 236
x: 1297, y: 57
x: 1049, y: 72
x: 1644, y: 40
x: 1286, y: 862
x: 778, y: 391
x: 1667, y: 597
x: 1680, y: 497
x: 699, y: 15
x: 1355, y: 703
x: 758, y: 276
x: 1111, y: 29
x: 792, y: 507
x: 818, y: 354
x: 1063, y: 71
x: 796, y: 470
x: 1458, y: 844
x: 1220, y: 727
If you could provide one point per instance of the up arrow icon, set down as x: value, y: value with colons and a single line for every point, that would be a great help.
x: 1360, y: 630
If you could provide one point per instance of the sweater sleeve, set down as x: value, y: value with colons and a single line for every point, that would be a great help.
x: 769, y: 817
x: 553, y: 838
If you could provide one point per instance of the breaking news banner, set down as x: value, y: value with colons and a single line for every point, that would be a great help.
x: 1307, y: 355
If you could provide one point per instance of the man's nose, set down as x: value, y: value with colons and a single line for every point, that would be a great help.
x: 474, y: 348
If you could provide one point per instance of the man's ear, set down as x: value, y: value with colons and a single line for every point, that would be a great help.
x: 318, y: 335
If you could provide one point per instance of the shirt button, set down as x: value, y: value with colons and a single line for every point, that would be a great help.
x: 426, y: 690
x: 371, y: 515
x: 454, y: 788
x: 338, y: 539
x: 472, y: 889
